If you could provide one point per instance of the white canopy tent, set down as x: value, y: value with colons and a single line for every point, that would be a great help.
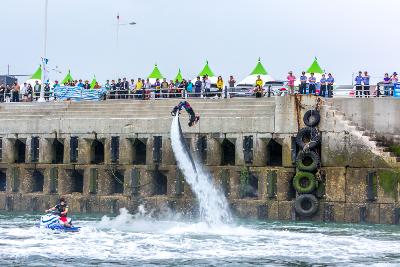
x: 259, y: 70
x: 251, y: 80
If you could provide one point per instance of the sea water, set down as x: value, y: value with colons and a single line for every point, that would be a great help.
x: 215, y: 239
x: 140, y: 240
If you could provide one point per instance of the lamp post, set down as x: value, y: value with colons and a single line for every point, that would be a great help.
x: 119, y: 24
x: 44, y: 59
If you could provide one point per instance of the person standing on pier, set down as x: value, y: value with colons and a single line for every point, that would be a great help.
x: 206, y: 86
x: 359, y: 89
x: 15, y: 92
x: 79, y: 84
x: 394, y: 80
x: 290, y: 80
x: 197, y: 87
x: 124, y: 88
x: 36, y: 90
x: 322, y: 90
x: 132, y: 87
x: 303, y: 83
x: 311, y: 87
x: 220, y: 86
x: 259, y: 81
x: 164, y: 88
x: 386, y: 85
x: 366, y: 79
x: 2, y: 92
x: 231, y: 81
x: 86, y: 85
x: 330, y: 80
x: 24, y: 92
x: 157, y: 87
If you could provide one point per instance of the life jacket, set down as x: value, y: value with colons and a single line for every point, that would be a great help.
x: 61, y: 208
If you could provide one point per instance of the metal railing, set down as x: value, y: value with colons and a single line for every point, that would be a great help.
x: 378, y: 90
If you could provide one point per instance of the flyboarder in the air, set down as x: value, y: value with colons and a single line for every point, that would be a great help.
x: 193, y: 119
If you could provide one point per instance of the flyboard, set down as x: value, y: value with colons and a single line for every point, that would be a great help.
x: 52, y: 222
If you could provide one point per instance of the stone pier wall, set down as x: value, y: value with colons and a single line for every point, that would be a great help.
x: 105, y: 156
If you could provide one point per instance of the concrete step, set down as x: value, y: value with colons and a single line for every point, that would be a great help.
x: 127, y: 111
x: 238, y: 112
x: 132, y: 116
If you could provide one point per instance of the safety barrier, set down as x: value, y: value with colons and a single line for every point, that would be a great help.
x: 338, y: 91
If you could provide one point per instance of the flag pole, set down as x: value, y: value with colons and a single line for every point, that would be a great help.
x: 117, y: 47
x: 44, y: 59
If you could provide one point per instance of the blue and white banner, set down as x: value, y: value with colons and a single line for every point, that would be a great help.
x: 78, y: 93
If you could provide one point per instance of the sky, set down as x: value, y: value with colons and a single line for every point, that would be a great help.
x: 345, y: 36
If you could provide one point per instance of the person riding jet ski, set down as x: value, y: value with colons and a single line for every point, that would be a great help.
x: 62, y: 209
x: 192, y: 116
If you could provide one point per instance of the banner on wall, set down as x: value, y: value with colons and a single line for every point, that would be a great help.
x: 78, y: 93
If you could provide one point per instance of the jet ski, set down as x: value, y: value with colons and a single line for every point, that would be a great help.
x: 52, y: 221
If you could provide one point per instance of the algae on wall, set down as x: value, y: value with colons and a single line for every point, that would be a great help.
x: 395, y: 149
x: 244, y: 181
x: 389, y: 181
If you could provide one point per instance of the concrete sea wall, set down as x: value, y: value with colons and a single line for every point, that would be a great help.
x: 106, y: 155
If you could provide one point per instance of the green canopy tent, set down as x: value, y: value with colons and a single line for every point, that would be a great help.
x: 179, y: 76
x: 259, y: 70
x: 207, y: 71
x: 93, y: 83
x: 155, y: 74
x: 68, y: 78
x: 38, y: 74
x: 315, y: 68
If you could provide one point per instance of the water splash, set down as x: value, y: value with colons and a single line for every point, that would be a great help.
x: 213, y: 205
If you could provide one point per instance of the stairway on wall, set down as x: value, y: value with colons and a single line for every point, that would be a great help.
x: 376, y: 144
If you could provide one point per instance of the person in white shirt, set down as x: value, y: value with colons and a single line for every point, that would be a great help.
x: 132, y: 87
x: 24, y: 92
x: 206, y: 85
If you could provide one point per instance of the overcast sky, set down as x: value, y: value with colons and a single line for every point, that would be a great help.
x: 345, y: 36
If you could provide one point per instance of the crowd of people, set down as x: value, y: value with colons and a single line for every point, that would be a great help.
x: 144, y: 88
x: 199, y: 87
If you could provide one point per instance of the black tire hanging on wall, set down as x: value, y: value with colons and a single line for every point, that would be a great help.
x: 304, y: 182
x: 306, y: 205
x: 308, y: 136
x: 307, y: 161
x: 311, y: 118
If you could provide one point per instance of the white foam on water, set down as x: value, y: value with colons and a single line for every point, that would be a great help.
x: 213, y: 206
x: 138, y: 239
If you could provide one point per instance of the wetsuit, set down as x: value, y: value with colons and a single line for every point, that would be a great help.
x: 189, y: 110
